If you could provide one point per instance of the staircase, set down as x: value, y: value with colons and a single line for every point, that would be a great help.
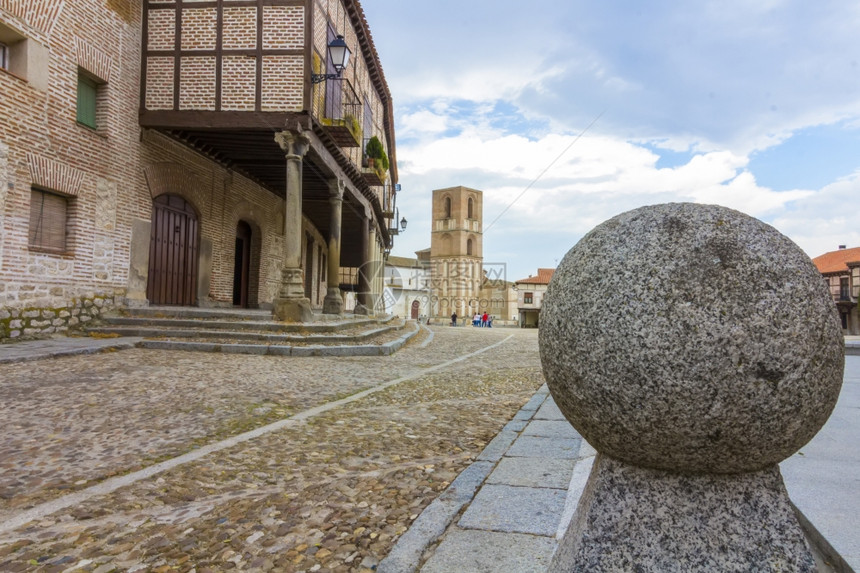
x: 244, y: 331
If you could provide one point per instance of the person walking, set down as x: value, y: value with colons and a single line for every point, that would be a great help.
x: 453, y: 319
x: 484, y: 319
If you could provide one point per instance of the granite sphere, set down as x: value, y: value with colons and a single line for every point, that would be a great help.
x: 691, y: 338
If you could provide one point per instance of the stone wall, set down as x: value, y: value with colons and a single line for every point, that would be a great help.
x: 37, y: 321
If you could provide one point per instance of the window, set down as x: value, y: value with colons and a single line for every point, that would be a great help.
x: 469, y: 245
x: 48, y: 217
x: 447, y: 207
x: 471, y: 203
x: 855, y: 282
x: 87, y: 90
x: 4, y: 56
x: 528, y: 298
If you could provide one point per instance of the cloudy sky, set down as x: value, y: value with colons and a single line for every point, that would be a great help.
x: 568, y: 112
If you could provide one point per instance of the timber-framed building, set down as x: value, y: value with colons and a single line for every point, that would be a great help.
x: 178, y: 152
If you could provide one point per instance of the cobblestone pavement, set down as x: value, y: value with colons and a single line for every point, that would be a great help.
x: 329, y: 493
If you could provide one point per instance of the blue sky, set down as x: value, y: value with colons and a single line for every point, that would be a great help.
x: 751, y: 105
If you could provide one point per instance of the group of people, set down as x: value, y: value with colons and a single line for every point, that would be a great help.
x: 482, y: 320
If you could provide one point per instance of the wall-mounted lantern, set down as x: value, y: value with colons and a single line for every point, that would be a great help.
x: 339, y: 53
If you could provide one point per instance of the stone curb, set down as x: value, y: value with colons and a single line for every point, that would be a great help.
x: 434, y: 521
x: 386, y: 349
x: 820, y: 545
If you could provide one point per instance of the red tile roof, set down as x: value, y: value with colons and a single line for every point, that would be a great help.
x: 836, y: 261
x: 542, y: 278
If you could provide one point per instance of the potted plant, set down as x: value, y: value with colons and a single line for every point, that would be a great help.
x: 377, y: 159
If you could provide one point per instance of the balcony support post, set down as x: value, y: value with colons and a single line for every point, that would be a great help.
x: 333, y: 303
x: 364, y: 295
x: 291, y: 305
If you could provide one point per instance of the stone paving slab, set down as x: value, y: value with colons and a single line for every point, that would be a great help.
x: 538, y: 447
x: 551, y: 429
x: 498, y: 446
x: 469, y: 551
x: 549, y: 411
x: 533, y: 472
x: 514, y: 509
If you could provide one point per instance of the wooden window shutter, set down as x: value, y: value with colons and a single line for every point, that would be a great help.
x: 86, y: 101
x: 48, y: 213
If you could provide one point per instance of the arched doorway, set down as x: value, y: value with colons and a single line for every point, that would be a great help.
x: 173, y: 251
x: 415, y: 307
x: 242, y: 265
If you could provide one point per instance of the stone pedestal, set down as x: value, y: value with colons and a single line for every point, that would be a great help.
x: 637, y: 519
x: 291, y: 304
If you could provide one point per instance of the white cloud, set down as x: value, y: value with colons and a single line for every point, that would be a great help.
x: 719, y: 80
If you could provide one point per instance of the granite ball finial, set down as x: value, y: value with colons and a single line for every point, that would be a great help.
x: 691, y: 338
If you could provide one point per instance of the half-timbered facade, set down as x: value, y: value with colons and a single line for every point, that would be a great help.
x: 177, y: 152
x: 841, y: 272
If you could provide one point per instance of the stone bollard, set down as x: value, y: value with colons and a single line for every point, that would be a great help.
x: 695, y: 348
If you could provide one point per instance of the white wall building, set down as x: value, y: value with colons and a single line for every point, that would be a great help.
x: 406, y: 292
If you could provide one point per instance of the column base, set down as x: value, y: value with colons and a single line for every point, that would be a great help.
x: 333, y: 302
x: 662, y: 521
x: 293, y: 310
x: 363, y: 310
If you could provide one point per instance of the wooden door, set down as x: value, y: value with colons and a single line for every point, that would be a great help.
x: 242, y: 264
x: 173, y: 250
x: 415, y: 306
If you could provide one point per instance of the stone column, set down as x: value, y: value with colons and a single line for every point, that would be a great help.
x: 375, y: 266
x: 333, y: 303
x: 363, y: 302
x: 291, y: 305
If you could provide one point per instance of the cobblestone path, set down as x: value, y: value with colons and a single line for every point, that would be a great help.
x: 330, y: 493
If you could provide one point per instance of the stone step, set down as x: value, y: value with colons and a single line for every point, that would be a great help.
x: 197, y: 313
x: 385, y: 348
x: 222, y: 323
x: 226, y: 331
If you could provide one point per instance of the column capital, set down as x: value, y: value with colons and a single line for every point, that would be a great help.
x: 336, y: 189
x: 295, y: 144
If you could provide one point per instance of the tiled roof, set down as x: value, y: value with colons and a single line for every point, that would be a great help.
x: 542, y: 278
x: 836, y: 261
x: 394, y: 261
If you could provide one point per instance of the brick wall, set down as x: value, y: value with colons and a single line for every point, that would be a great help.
x: 282, y: 74
x: 103, y: 172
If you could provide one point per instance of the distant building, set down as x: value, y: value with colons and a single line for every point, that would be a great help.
x: 530, y: 293
x: 841, y: 271
x: 456, y: 251
x: 455, y: 277
x: 407, y: 288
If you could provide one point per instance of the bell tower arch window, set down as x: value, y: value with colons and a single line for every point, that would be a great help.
x: 471, y: 208
x: 447, y: 207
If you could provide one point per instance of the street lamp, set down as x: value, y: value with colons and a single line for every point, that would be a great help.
x: 339, y: 53
x: 403, y: 224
